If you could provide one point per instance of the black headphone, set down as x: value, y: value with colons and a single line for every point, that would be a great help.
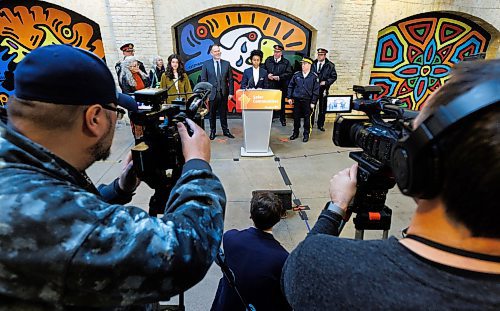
x: 415, y: 159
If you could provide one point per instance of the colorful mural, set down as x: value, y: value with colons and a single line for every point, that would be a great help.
x: 414, y: 56
x: 239, y: 31
x: 26, y: 25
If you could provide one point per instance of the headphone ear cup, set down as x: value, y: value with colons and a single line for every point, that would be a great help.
x: 418, y: 172
x: 401, y: 166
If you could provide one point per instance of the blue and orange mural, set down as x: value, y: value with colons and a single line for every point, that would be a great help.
x: 414, y: 56
x: 26, y: 25
x: 239, y: 31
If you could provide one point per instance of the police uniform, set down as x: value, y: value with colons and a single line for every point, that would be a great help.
x: 283, y: 70
x: 326, y: 73
x: 124, y: 48
x: 304, y: 91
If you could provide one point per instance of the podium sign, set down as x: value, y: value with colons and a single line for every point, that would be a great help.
x: 258, y: 99
x: 257, y: 106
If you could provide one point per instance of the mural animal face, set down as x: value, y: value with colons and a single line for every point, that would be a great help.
x: 237, y: 44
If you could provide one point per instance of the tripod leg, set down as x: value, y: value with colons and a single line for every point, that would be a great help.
x: 359, y: 235
x: 385, y: 234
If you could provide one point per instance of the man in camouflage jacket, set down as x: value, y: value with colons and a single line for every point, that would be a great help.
x: 64, y: 244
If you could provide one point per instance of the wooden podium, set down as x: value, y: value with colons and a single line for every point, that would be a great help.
x: 257, y: 106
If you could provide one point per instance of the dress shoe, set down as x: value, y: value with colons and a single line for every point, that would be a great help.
x: 212, y: 135
x: 306, y: 138
x: 294, y: 136
x: 321, y: 128
x: 228, y: 134
x: 283, y: 123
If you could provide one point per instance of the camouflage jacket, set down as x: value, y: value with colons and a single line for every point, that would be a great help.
x: 62, y: 247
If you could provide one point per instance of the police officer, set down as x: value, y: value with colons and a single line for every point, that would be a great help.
x: 127, y: 50
x: 325, y: 70
x: 279, y: 72
x: 303, y: 92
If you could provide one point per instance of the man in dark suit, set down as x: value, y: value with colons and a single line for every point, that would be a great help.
x: 218, y: 72
x: 325, y: 70
x: 256, y: 260
x: 279, y: 72
x: 255, y: 77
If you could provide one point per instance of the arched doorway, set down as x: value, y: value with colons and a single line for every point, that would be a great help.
x: 239, y: 30
x: 414, y: 56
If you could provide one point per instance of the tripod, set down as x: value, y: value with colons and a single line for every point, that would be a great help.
x: 374, y: 181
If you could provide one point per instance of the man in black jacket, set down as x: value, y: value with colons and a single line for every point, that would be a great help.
x: 279, y: 72
x: 303, y: 93
x: 219, y: 73
x: 325, y: 70
x: 256, y: 258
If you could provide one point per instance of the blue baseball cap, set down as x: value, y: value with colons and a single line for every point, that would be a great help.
x: 67, y: 75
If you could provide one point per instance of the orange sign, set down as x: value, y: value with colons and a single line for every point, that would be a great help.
x: 258, y: 99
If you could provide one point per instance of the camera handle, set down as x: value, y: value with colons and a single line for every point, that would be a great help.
x: 374, y: 181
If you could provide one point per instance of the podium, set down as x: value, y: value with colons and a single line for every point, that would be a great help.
x: 257, y: 106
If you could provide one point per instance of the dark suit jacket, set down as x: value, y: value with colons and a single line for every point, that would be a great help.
x: 208, y: 75
x: 247, y: 82
x: 256, y: 259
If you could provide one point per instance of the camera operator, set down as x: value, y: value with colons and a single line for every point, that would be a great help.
x: 450, y: 257
x: 65, y: 244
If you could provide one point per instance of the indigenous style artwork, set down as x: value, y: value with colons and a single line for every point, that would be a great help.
x: 26, y: 25
x: 238, y: 31
x: 414, y: 56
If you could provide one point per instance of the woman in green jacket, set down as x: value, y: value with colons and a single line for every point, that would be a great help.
x: 175, y: 79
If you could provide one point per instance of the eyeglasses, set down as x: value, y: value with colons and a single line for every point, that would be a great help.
x: 119, y: 112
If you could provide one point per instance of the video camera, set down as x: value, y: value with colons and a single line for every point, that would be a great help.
x: 157, y: 155
x: 376, y: 132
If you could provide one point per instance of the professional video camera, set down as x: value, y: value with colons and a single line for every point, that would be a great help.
x: 376, y: 133
x: 157, y: 155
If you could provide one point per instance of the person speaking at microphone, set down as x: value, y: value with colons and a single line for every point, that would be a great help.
x: 176, y: 80
x: 255, y: 77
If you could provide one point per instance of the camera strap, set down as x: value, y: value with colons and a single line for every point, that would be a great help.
x: 453, y: 250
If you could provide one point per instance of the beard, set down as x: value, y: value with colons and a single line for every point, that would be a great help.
x: 102, y: 148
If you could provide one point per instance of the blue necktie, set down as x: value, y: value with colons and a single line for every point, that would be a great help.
x: 218, y: 70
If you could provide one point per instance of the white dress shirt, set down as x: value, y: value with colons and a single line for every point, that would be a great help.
x: 255, y: 76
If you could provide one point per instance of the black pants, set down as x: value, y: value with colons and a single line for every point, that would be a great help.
x: 301, y: 109
x: 321, y: 105
x: 218, y: 104
x: 283, y: 103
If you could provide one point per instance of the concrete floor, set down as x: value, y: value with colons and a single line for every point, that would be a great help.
x: 308, y: 165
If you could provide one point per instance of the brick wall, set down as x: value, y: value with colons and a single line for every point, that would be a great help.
x: 348, y: 28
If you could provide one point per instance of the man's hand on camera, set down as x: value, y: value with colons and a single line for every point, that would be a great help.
x: 196, y: 146
x: 343, y: 186
x: 128, y: 180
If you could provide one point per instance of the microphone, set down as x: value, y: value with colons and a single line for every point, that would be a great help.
x: 204, y: 88
x: 173, y: 83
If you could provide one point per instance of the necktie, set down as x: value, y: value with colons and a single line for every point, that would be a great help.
x: 319, y: 68
x: 219, y: 80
